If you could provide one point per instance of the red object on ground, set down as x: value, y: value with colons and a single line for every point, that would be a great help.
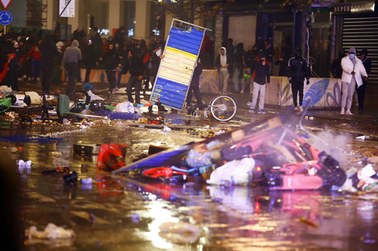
x: 160, y: 172
x: 299, y: 182
x: 111, y: 156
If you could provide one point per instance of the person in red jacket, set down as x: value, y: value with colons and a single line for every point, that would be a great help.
x: 35, y: 56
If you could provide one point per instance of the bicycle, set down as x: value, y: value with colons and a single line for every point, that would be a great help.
x: 222, y: 108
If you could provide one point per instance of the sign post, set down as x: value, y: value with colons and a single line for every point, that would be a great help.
x: 5, y: 19
x: 176, y: 68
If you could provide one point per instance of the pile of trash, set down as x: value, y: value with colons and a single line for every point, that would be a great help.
x: 269, y: 154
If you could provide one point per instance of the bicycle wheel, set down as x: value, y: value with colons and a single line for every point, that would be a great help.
x: 81, y: 100
x: 223, y: 108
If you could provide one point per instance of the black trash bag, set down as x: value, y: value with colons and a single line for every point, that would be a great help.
x: 330, y: 171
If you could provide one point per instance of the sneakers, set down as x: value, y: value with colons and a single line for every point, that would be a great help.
x: 342, y: 111
x: 348, y: 112
x: 261, y: 111
x: 296, y: 108
x: 300, y: 108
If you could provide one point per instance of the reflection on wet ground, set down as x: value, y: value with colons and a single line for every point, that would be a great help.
x: 120, y: 213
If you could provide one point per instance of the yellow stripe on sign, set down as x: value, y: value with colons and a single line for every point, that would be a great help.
x: 180, y: 52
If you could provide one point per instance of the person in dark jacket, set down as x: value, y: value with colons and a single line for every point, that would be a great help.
x: 12, y: 67
x: 136, y: 69
x: 111, y: 61
x: 194, y: 88
x: 89, y: 58
x: 238, y: 66
x: 155, y: 59
x: 298, y: 71
x: 361, y: 90
x: 49, y: 52
x: 261, y: 71
x: 70, y: 61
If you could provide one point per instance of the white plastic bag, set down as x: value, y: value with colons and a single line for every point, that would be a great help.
x: 236, y: 172
x: 125, y: 107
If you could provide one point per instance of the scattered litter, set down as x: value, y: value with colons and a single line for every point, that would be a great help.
x: 24, y: 165
x: 362, y: 137
x: 125, y: 107
x: 87, y: 181
x: 180, y: 232
x: 166, y: 129
x: 308, y: 222
x: 94, y: 96
x: 51, y: 232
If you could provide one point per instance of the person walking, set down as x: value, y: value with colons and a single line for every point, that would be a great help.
x: 223, y: 63
x: 366, y: 61
x: 136, y: 68
x: 194, y: 88
x: 353, y: 72
x: 238, y: 66
x: 89, y: 59
x: 111, y: 61
x: 70, y: 61
x: 261, y: 72
x: 298, y: 71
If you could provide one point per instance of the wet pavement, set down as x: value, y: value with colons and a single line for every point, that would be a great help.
x: 117, y: 212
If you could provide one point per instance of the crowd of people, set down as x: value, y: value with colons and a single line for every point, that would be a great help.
x: 46, y: 59
x: 43, y: 57
x: 240, y: 70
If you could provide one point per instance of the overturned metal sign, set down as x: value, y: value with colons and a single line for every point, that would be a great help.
x: 176, y: 68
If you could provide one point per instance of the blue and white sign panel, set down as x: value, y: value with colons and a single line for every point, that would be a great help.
x: 67, y: 8
x: 176, y: 68
x: 5, y: 17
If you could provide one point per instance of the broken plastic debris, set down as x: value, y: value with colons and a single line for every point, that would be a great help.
x: 366, y: 172
x: 51, y: 231
x: 362, y: 137
x: 180, y: 232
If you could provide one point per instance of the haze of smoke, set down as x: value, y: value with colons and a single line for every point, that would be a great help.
x: 338, y: 146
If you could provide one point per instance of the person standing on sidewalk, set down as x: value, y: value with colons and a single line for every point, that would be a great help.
x: 361, y: 90
x: 223, y: 63
x: 111, y: 61
x: 298, y: 71
x: 261, y: 71
x: 71, y: 57
x: 49, y: 52
x: 353, y: 72
x: 136, y: 68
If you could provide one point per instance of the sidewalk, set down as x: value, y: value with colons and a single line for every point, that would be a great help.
x: 366, y: 122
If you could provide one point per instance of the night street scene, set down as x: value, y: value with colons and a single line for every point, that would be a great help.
x: 189, y: 125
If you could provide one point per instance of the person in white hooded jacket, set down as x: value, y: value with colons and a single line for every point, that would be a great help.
x: 353, y: 72
x: 223, y: 63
